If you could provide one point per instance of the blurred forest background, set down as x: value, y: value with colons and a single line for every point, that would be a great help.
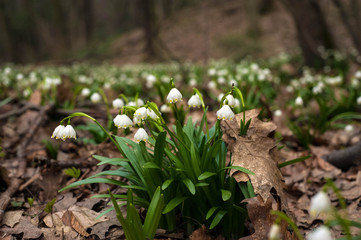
x: 132, y: 31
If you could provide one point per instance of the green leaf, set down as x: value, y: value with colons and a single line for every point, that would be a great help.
x: 226, y: 195
x: 217, y: 218
x: 151, y: 165
x: 49, y: 206
x: 173, y: 203
x: 154, y: 214
x: 72, y: 172
x: 93, y: 180
x: 242, y: 169
x: 202, y: 184
x: 166, y: 184
x: 205, y: 175
x: 210, y: 212
x: 293, y: 161
x: 16, y: 203
x: 159, y: 148
x: 189, y: 184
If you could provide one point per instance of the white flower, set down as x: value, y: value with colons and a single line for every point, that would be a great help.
x: 211, y: 72
x: 152, y: 114
x: 299, y: 101
x: 122, y: 121
x: 85, y: 92
x: 165, y: 108
x: 237, y: 102
x: 275, y: 232
x: 220, y: 96
x: 349, y: 128
x: 192, y: 82
x: 320, y: 233
x: 358, y: 74
x: 221, y: 80
x: 19, y: 76
x: 320, y: 203
x: 141, y: 135
x: 174, y: 96
x: 150, y: 80
x: 358, y: 100
x: 225, y: 113
x: 194, y: 101
x: 68, y: 132
x: 58, y: 132
x: 137, y: 121
x: 95, y: 97
x: 278, y: 113
x: 141, y: 113
x: 118, y: 103
x: 212, y: 85
x: 231, y: 101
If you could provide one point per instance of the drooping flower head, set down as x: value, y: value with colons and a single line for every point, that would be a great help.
x: 58, y: 132
x: 174, y: 96
x: 141, y: 135
x: 122, y: 121
x: 85, y: 92
x: 225, y: 113
x: 152, y: 114
x: 320, y: 203
x: 118, y: 103
x: 231, y: 100
x: 320, y: 233
x: 299, y: 101
x: 195, y: 101
x: 275, y: 232
x: 68, y: 132
x: 95, y: 97
x: 141, y: 113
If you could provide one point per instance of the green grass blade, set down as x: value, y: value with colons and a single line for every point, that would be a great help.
x: 173, y: 204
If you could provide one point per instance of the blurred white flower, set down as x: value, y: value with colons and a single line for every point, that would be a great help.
x: 320, y: 233
x: 165, y: 108
x: 95, y: 97
x: 150, y: 80
x: 320, y: 203
x: 192, y: 82
x: 141, y: 113
x: 230, y: 100
x: 194, y: 101
x: 211, y: 72
x: 299, y: 101
x: 152, y: 114
x: 358, y: 100
x: 64, y: 132
x: 212, y: 85
x: 174, y: 96
x: 85, y: 92
x: 348, y: 128
x: 141, y: 135
x: 137, y: 121
x: 358, y: 74
x: 221, y: 80
x: 277, y: 113
x: 19, y: 76
x: 275, y: 232
x: 122, y: 121
x: 225, y: 113
x: 118, y: 103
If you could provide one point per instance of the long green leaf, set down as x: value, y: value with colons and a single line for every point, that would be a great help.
x: 293, y: 161
x: 189, y: 184
x: 154, y: 214
x: 173, y: 203
x: 210, y: 212
x: 226, y: 195
x: 94, y: 180
x: 159, y: 148
x: 206, y: 175
x: 166, y: 184
x: 217, y: 218
x: 242, y: 169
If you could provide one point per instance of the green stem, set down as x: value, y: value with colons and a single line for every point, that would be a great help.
x: 289, y: 221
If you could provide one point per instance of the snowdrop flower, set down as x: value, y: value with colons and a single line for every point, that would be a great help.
x: 221, y: 80
x: 19, y: 76
x: 192, y: 82
x: 141, y: 113
x: 211, y: 72
x: 68, y: 132
x: 118, y: 103
x: 7, y: 71
x: 231, y: 101
x: 233, y: 82
x: 349, y: 128
x: 358, y: 100
x: 26, y: 92
x: 237, y: 102
x: 278, y: 113
x: 194, y: 101
x: 220, y: 96
x: 141, y: 135
x: 225, y: 113
x: 320, y: 233
x: 358, y: 74
x: 174, y: 96
x: 299, y: 101
x: 139, y: 102
x: 320, y: 203
x: 85, y: 92
x: 275, y: 232
x: 289, y: 89
x: 95, y: 98
x: 137, y: 121
x: 165, y: 108
x: 58, y: 132
x: 122, y: 121
x: 152, y: 114
x: 150, y: 80
x: 212, y: 85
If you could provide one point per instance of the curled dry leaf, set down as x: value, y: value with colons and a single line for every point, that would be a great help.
x: 12, y: 217
x: 256, y: 152
x: 262, y: 219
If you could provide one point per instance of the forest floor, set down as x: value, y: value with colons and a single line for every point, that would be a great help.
x: 29, y: 171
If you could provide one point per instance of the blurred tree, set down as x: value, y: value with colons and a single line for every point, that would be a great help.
x: 312, y: 30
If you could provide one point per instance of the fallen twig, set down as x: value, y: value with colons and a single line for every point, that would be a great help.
x: 345, y: 158
x: 27, y: 106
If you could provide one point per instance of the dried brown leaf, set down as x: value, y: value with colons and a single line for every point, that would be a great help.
x: 70, y: 220
x: 262, y: 220
x: 254, y: 152
x: 24, y: 226
x: 12, y: 217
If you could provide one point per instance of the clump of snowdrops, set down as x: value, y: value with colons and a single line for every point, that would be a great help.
x: 180, y: 175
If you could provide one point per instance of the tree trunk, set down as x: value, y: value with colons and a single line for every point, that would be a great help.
x: 312, y: 30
